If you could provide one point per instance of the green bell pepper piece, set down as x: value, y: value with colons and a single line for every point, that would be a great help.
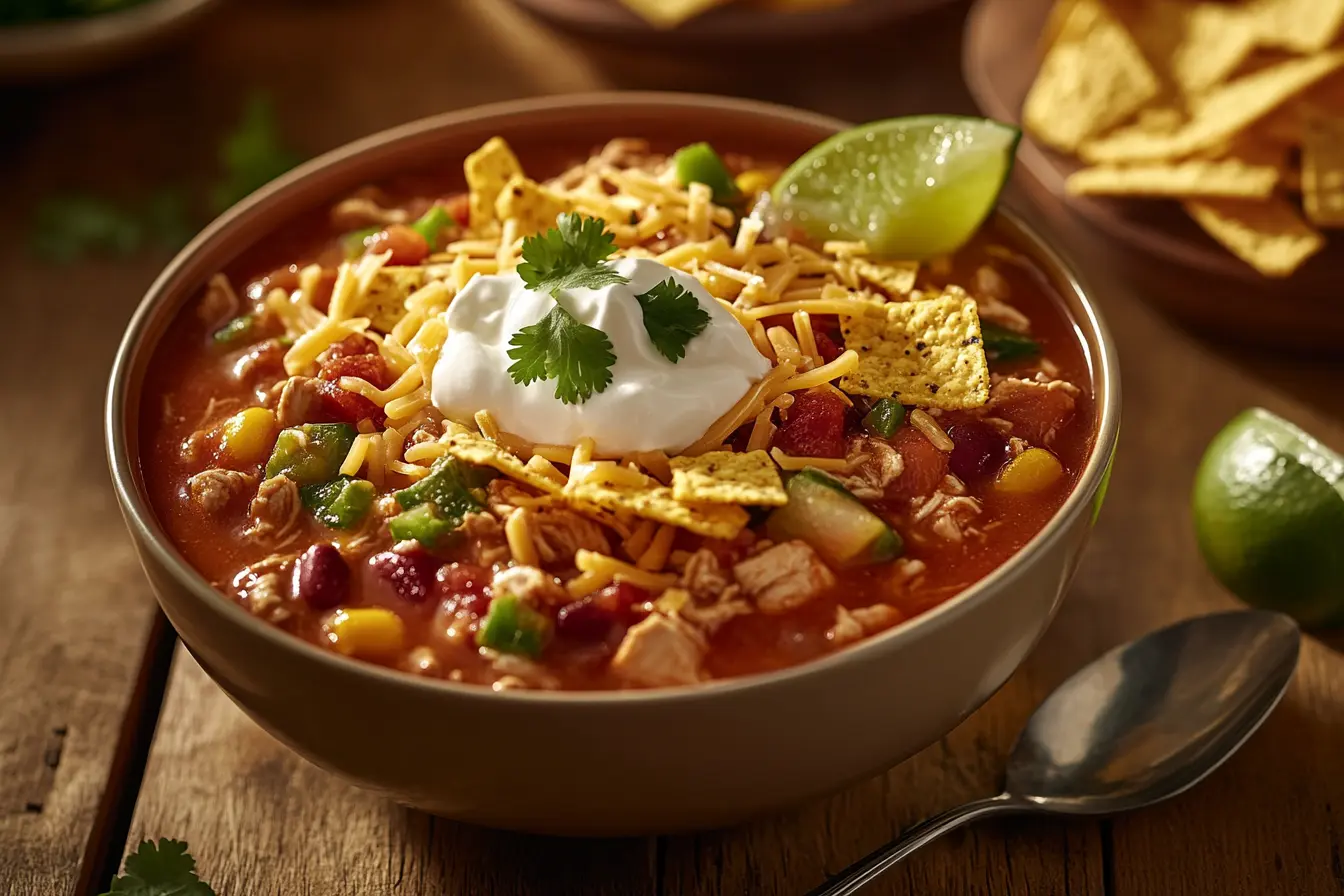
x: 422, y: 523
x: 449, y: 486
x: 511, y: 626
x: 431, y: 225
x: 234, y: 330
x: 311, y: 453
x: 341, y: 503
x: 352, y: 243
x: 1002, y: 344
x: 885, y: 418
x: 699, y: 163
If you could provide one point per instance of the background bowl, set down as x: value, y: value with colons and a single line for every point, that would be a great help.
x: 598, y: 763
x: 77, y: 46
x: 1153, y: 244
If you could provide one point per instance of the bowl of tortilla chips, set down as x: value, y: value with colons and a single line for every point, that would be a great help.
x: 1201, y: 142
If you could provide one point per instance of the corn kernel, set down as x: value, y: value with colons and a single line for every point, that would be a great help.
x: 755, y: 181
x: 248, y: 435
x: 365, y: 632
x: 1031, y: 471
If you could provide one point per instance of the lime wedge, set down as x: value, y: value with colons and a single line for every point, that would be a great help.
x: 1269, y: 516
x: 910, y: 187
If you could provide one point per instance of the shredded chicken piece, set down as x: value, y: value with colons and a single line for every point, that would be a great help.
x: 560, y: 534
x: 999, y: 312
x: 190, y: 450
x: 703, y: 578
x: 265, y: 597
x: 275, y: 510
x: 257, y: 358
x: 711, y: 618
x: 1016, y: 446
x: 947, y: 528
x: 1050, y: 403
x: 360, y: 211
x: 298, y: 398
x: 991, y: 284
x: 658, y: 651
x: 219, y: 303
x: 874, y: 465
x: 510, y: 665
x: 530, y: 585
x: 787, y: 575
x: 852, y: 625
x: 428, y: 431
x: 501, y: 496
x: 488, y: 544
x: 214, y: 489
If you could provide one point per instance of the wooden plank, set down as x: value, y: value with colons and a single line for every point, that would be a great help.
x: 262, y: 821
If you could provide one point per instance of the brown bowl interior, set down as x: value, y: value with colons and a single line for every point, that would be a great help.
x: 1152, y: 244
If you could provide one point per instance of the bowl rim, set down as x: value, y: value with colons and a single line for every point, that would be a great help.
x: 154, y: 542
x: 38, y: 39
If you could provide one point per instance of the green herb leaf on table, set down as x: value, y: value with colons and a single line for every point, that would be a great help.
x: 578, y: 357
x: 571, y: 255
x: 162, y: 869
x: 672, y: 318
x: 252, y: 155
x: 67, y: 227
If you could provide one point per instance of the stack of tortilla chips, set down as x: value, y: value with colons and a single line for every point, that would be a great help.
x: 1234, y: 109
x: 671, y: 13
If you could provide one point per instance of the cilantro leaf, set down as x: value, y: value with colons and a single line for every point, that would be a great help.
x: 570, y: 255
x: 162, y: 869
x: 67, y: 227
x: 672, y: 318
x: 252, y: 155
x: 578, y: 357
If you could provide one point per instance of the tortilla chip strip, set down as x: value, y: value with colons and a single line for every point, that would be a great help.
x: 728, y: 477
x: 1228, y: 178
x: 657, y: 504
x: 896, y: 278
x: 1194, y: 45
x: 1220, y: 114
x: 1305, y: 26
x: 533, y: 206
x: 488, y: 170
x: 926, y: 353
x: 1092, y: 78
x: 1269, y: 236
x: 474, y: 449
x: 1323, y: 168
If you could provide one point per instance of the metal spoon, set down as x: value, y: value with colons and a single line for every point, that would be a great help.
x: 1138, y: 725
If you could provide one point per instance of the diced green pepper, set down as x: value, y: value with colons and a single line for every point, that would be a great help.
x: 352, y: 243
x: 885, y: 418
x: 341, y: 503
x: 511, y: 626
x: 311, y: 453
x: 699, y: 163
x: 234, y: 330
x: 448, y: 485
x: 1002, y: 344
x: 422, y: 523
x: 431, y: 225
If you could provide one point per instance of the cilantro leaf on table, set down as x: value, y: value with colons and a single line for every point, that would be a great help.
x: 66, y: 227
x: 162, y: 869
x: 252, y: 155
x: 672, y: 318
x: 578, y: 357
x: 571, y: 255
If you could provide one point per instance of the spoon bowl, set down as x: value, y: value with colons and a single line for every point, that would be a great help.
x: 1136, y: 726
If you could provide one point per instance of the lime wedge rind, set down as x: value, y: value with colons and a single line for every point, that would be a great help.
x: 914, y: 187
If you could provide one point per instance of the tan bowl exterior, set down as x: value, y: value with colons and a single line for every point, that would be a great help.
x: 599, y: 763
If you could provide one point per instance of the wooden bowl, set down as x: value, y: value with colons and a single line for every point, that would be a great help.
x: 79, y: 46
x: 730, y: 24
x: 1151, y: 244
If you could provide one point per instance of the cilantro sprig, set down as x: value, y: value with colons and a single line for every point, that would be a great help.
x: 672, y: 318
x: 579, y: 358
x: 160, y: 869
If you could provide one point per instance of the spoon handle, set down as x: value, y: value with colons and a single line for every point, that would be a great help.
x: 857, y: 876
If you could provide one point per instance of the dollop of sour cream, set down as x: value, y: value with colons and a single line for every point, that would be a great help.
x: 651, y: 403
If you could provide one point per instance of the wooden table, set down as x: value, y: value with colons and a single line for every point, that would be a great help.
x: 109, y: 735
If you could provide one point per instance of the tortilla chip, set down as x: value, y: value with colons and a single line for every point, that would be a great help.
x: 1215, y: 39
x: 1220, y: 114
x: 1232, y: 178
x: 896, y: 278
x: 926, y: 352
x: 1269, y: 236
x: 534, y: 207
x: 656, y: 503
x: 728, y: 477
x: 1323, y: 168
x: 1092, y: 78
x: 488, y: 170
x: 1304, y: 26
x: 474, y: 449
x: 669, y: 13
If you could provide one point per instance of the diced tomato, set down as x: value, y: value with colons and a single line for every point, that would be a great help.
x: 369, y: 367
x: 321, y: 297
x: 1036, y: 412
x: 459, y: 207
x: 815, y: 427
x: 406, y: 245
x: 924, y: 466
x: 354, y: 344
x: 828, y: 347
x: 341, y: 406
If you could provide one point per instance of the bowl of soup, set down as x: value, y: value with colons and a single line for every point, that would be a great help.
x: 520, y: 465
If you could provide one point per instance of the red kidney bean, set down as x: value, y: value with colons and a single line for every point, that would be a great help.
x: 466, y: 585
x: 584, y: 620
x: 979, y: 449
x: 410, y: 575
x: 321, y: 578
x: 619, y: 597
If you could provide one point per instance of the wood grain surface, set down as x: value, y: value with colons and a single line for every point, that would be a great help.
x: 75, y: 613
